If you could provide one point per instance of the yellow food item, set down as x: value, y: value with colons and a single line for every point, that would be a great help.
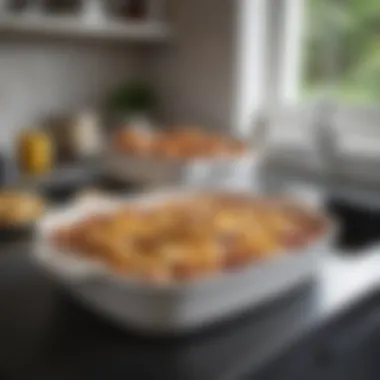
x: 35, y: 153
x: 18, y: 209
x: 192, y: 238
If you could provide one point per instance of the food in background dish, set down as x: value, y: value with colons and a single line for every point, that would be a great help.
x: 187, y: 239
x: 19, y: 209
x: 134, y: 142
x: 185, y: 143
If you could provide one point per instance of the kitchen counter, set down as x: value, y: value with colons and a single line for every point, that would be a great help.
x: 45, y: 335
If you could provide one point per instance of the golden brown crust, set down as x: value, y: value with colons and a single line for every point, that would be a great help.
x: 192, y: 238
x: 181, y: 144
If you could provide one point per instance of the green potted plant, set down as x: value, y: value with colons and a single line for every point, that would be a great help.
x: 133, y: 103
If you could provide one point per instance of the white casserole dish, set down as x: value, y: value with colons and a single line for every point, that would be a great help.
x: 238, y: 171
x: 172, y: 308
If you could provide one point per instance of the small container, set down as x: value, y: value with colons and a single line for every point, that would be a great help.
x: 35, y: 152
x: 25, y: 215
x: 86, y: 137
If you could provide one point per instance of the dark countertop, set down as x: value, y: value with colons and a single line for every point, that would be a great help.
x: 45, y: 335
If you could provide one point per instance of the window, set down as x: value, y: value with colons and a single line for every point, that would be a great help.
x: 296, y: 51
x: 321, y: 48
x: 342, y: 50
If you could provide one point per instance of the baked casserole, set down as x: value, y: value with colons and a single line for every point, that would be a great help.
x: 184, y: 143
x: 190, y: 238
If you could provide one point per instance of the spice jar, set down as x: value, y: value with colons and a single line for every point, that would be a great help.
x: 35, y: 152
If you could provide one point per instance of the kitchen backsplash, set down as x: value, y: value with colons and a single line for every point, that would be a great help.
x: 41, y: 78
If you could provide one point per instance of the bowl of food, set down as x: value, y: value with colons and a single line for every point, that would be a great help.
x: 19, y: 211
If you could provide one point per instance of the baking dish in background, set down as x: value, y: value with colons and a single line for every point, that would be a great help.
x: 240, y: 172
x: 173, y: 307
x: 181, y: 156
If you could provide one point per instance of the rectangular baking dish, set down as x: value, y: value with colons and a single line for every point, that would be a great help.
x: 173, y: 308
x: 238, y: 171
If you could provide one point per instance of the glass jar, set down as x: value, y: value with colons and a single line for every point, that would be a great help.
x: 35, y: 153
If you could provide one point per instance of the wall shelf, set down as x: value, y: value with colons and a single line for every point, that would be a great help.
x: 78, y: 27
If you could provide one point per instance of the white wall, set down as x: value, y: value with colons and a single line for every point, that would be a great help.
x: 195, y: 76
x: 38, y: 78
